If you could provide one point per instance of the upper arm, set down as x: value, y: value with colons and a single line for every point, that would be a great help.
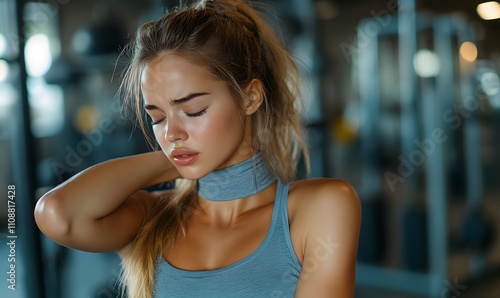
x: 332, y: 218
x: 109, y: 233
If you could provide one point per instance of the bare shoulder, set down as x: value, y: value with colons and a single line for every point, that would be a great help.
x: 325, y: 220
x: 306, y: 197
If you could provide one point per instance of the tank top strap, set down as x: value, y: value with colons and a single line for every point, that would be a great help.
x: 283, y: 218
x: 282, y: 199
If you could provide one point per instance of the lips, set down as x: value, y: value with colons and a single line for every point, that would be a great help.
x: 183, y: 157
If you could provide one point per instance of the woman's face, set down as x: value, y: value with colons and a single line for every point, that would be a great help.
x: 194, y: 117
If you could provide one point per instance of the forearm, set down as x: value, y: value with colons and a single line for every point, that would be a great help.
x: 101, y: 189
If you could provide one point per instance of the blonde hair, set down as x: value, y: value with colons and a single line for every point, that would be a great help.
x: 234, y: 43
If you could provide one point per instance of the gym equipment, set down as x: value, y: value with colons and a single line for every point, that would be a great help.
x: 372, y: 240
x: 423, y: 102
x: 476, y: 230
x: 475, y: 233
x: 430, y: 126
x: 23, y: 154
x: 413, y: 219
x: 371, y: 248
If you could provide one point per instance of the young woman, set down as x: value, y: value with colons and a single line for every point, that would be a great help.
x: 221, y: 94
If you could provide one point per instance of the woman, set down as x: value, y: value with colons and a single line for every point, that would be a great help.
x: 222, y: 96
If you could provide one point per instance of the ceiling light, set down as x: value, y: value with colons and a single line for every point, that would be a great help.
x: 426, y: 63
x: 468, y: 51
x: 38, y: 57
x: 489, y: 10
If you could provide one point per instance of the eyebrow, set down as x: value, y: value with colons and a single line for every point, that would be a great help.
x: 176, y: 101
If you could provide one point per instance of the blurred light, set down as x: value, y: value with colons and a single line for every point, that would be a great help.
x: 82, y: 41
x: 489, y: 10
x: 326, y: 10
x: 3, y: 45
x: 47, y: 108
x: 490, y: 83
x: 468, y: 51
x: 426, y: 64
x: 38, y: 57
x: 4, y: 70
x: 87, y: 118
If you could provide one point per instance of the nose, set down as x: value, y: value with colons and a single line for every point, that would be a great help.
x: 175, y: 132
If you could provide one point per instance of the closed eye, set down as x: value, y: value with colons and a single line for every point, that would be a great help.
x: 153, y: 122
x: 198, y: 114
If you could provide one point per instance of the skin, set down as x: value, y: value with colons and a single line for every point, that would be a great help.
x: 210, y: 124
x: 219, y: 233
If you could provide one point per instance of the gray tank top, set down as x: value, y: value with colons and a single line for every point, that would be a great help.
x: 272, y: 270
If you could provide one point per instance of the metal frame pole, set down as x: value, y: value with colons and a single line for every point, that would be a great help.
x: 24, y: 169
x: 407, y: 44
x: 433, y: 282
x: 369, y: 94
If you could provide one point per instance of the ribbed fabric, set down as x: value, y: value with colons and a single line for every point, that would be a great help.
x: 237, y: 181
x: 272, y: 270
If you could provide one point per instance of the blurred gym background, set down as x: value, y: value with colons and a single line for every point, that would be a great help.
x: 402, y: 100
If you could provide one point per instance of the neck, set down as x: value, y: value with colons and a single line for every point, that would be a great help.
x: 237, y: 181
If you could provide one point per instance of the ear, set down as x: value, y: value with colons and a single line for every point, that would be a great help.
x: 254, y: 96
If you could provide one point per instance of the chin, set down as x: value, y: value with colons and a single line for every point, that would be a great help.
x: 191, y: 174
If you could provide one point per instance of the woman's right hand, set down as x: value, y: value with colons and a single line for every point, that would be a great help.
x: 103, y: 207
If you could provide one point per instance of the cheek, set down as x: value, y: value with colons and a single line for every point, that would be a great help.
x: 158, y: 135
x: 160, y: 140
x: 224, y: 126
